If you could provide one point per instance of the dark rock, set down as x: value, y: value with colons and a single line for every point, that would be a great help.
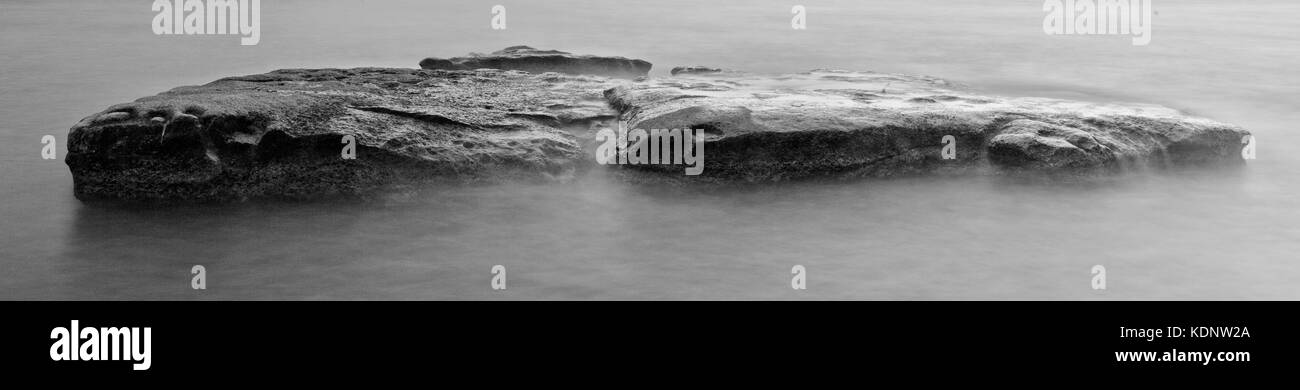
x: 532, y: 60
x: 439, y: 63
x: 694, y: 70
x: 280, y: 134
x: 835, y: 123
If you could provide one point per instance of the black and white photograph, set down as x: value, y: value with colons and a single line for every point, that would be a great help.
x: 854, y: 151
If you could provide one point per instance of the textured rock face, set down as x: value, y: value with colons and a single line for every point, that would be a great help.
x: 532, y: 60
x: 281, y: 134
x: 834, y: 123
x: 684, y: 70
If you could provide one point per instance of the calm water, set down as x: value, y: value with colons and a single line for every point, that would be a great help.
x: 1203, y: 234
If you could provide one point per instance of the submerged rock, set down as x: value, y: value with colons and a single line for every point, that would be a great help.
x: 836, y: 123
x: 281, y: 134
x: 532, y: 60
x: 694, y: 70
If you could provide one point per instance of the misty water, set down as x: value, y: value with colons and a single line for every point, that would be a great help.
x: 1211, y: 233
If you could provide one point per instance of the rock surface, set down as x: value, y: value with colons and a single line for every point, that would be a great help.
x: 683, y: 70
x: 281, y: 134
x: 837, y: 123
x: 532, y: 60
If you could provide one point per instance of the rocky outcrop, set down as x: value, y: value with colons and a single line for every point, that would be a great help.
x: 290, y: 133
x: 837, y: 123
x: 532, y: 60
x: 694, y: 70
x: 281, y: 134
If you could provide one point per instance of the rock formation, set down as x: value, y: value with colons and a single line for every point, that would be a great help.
x: 525, y: 114
x: 838, y: 123
x: 281, y: 134
x: 528, y: 59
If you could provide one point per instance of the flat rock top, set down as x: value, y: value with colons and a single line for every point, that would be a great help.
x: 278, y: 134
x: 845, y: 99
x: 304, y: 101
x: 539, y: 61
x: 522, y: 51
x: 895, y: 115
